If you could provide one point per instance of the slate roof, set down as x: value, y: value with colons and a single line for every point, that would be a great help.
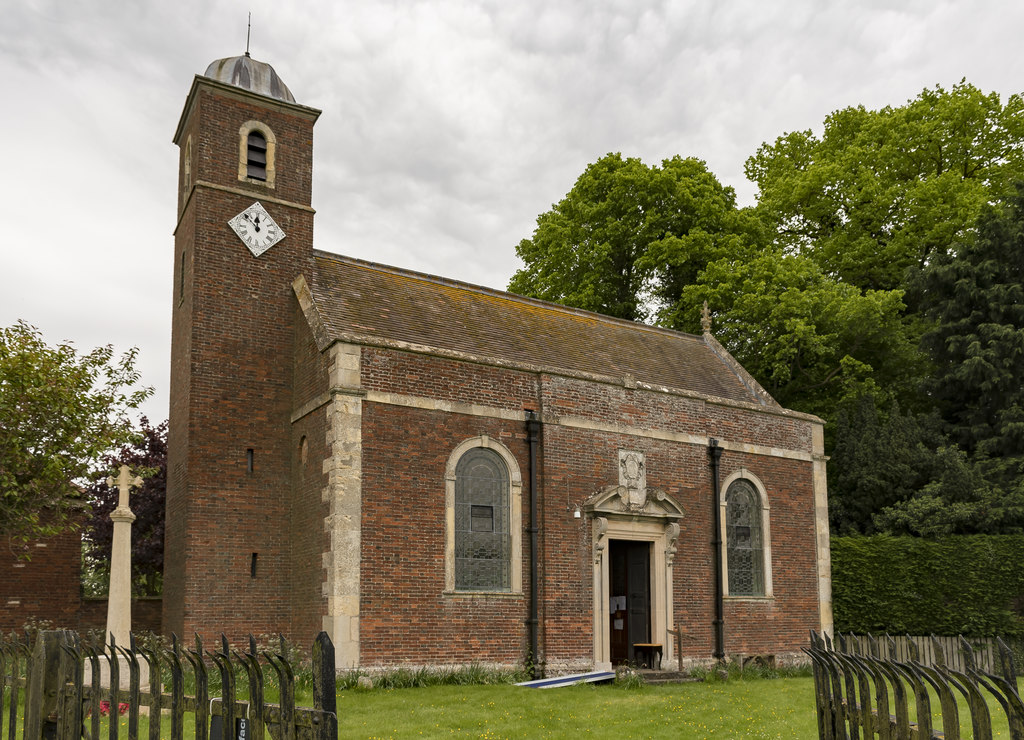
x: 364, y: 301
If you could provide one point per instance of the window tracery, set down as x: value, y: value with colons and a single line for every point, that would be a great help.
x: 483, y: 503
x: 746, y: 534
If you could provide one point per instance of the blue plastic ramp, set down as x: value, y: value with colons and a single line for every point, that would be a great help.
x: 554, y: 683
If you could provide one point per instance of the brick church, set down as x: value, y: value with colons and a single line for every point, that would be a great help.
x: 440, y: 473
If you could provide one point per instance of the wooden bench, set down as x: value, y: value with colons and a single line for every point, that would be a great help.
x: 648, y: 654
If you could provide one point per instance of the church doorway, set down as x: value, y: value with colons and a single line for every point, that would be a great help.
x: 629, y: 580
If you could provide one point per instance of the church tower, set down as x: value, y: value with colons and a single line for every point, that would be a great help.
x: 244, y: 233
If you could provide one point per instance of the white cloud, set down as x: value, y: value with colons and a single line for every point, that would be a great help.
x: 447, y: 125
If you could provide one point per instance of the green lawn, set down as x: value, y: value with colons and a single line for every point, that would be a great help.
x: 779, y: 708
x: 738, y: 708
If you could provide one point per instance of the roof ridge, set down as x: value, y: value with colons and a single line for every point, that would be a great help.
x: 494, y: 292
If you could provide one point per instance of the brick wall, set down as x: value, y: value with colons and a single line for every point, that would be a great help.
x: 666, y: 411
x: 45, y: 587
x: 146, y: 614
x: 307, y: 510
x: 443, y: 379
x: 405, y: 616
x: 231, y: 375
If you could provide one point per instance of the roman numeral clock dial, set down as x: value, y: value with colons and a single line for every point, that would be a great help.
x: 257, y: 230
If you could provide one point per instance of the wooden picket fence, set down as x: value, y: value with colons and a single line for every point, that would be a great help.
x: 928, y: 650
x: 866, y: 687
x: 62, y: 686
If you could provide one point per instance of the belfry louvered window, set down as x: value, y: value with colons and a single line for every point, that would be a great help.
x: 744, y: 540
x: 256, y: 156
x: 482, y: 513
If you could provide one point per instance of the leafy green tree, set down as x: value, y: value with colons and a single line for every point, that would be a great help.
x: 643, y: 242
x: 975, y: 298
x: 883, y: 192
x: 146, y: 456
x: 59, y: 412
x: 964, y: 473
x: 628, y: 235
x: 863, y: 239
x: 811, y: 341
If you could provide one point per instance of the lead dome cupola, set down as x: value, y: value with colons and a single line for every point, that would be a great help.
x: 250, y: 74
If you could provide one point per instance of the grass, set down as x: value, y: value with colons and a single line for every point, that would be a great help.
x: 780, y: 708
x: 411, y: 704
x: 745, y: 706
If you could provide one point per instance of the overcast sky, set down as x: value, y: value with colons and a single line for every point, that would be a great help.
x: 447, y: 126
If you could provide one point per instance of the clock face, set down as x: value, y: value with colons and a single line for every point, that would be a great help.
x: 257, y: 230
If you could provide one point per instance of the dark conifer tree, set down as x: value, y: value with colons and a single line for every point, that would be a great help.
x: 975, y: 297
x: 878, y: 462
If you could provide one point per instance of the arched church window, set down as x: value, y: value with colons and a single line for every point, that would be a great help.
x: 256, y: 156
x: 482, y: 513
x: 483, y: 519
x: 744, y: 537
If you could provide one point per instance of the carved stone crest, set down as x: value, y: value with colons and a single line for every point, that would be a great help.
x: 633, y: 479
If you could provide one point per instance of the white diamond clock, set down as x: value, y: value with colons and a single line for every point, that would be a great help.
x: 257, y: 229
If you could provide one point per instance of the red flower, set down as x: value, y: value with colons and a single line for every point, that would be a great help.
x: 105, y: 707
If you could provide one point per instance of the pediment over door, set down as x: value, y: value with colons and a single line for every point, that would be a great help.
x: 625, y: 501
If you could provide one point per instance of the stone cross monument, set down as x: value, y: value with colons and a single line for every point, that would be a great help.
x: 119, y: 599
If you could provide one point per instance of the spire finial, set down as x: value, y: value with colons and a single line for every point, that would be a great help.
x: 248, y: 32
x: 705, y: 319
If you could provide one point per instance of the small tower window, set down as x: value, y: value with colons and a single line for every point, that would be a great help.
x: 256, y: 160
x: 186, y: 171
x: 181, y: 279
x: 256, y: 145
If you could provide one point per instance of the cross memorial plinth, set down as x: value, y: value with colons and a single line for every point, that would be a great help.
x: 119, y: 599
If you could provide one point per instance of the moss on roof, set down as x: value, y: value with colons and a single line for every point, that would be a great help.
x: 361, y: 299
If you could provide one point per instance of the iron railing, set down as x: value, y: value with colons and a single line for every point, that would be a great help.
x: 59, y: 687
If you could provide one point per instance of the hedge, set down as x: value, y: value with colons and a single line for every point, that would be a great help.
x: 971, y: 585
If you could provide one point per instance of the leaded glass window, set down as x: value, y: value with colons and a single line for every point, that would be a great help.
x: 744, y: 539
x: 482, y: 537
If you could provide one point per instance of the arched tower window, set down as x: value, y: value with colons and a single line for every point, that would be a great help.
x: 186, y: 171
x: 483, y: 502
x: 256, y: 158
x: 745, y: 524
x: 256, y: 151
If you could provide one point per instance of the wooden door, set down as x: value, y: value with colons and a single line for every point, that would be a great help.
x: 629, y: 575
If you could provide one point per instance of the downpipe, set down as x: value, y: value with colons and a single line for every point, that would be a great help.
x: 715, y: 455
x: 533, y: 437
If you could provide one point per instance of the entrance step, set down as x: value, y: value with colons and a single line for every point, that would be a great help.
x: 654, y: 678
